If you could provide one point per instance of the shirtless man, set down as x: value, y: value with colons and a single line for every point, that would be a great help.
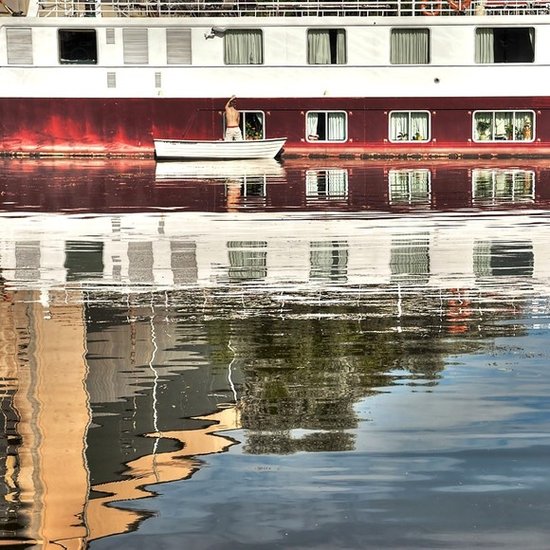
x: 232, y: 120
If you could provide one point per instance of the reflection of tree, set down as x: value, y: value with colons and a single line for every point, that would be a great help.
x: 307, y: 374
x: 298, y: 368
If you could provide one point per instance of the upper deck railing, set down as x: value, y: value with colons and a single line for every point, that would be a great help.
x: 284, y: 8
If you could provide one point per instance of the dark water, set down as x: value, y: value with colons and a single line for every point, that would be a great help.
x: 331, y: 355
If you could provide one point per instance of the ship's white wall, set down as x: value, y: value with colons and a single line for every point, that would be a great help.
x: 285, y: 73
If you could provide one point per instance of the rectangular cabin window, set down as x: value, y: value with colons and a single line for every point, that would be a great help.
x: 503, y: 126
x: 252, y: 124
x: 243, y: 47
x: 410, y: 47
x: 178, y: 46
x: 19, y: 46
x: 505, y: 45
x: 326, y: 46
x: 326, y: 126
x: 135, y: 46
x: 77, y: 46
x: 409, y: 126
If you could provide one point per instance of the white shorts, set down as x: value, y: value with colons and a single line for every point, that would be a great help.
x: 233, y: 134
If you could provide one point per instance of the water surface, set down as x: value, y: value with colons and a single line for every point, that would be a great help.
x: 267, y: 355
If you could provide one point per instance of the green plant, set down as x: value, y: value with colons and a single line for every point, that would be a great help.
x: 483, y: 126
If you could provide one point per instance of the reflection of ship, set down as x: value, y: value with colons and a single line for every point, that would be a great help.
x: 221, y: 169
x: 141, y: 252
x: 351, y: 186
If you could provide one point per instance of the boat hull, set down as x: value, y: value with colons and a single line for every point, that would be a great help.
x: 127, y: 126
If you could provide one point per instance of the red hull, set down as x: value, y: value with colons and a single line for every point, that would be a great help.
x: 127, y: 127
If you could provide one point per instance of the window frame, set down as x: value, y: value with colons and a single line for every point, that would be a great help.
x: 228, y: 32
x: 60, y: 47
x: 327, y: 112
x: 417, y: 29
x: 242, y: 123
x: 409, y: 113
x: 476, y: 132
x: 337, y: 29
x: 477, y: 54
x: 19, y: 46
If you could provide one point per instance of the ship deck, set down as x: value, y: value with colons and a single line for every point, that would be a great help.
x: 271, y: 8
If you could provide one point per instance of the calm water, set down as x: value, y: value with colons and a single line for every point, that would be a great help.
x: 220, y: 355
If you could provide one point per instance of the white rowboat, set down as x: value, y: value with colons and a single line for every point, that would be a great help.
x: 174, y: 149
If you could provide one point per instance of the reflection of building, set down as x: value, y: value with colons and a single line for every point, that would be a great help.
x: 53, y: 387
x: 231, y: 186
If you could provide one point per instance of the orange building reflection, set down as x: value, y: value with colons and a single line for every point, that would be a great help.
x: 46, y: 476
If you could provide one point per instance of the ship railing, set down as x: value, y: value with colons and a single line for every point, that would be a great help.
x: 283, y: 8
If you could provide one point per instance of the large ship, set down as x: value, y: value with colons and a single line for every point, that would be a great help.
x: 349, y: 78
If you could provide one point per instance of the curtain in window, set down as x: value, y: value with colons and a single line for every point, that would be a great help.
x: 410, y: 46
x: 336, y: 127
x: 340, y: 47
x: 19, y: 46
x: 504, y: 126
x: 485, y: 46
x: 419, y: 126
x: 318, y: 47
x: 312, y: 120
x: 325, y: 47
x: 399, y: 127
x: 243, y: 47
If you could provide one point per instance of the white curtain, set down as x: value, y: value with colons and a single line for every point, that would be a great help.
x: 504, y: 126
x: 485, y: 46
x: 336, y: 127
x: 243, y: 47
x: 419, y: 127
x: 399, y: 127
x: 312, y: 120
x: 318, y: 47
x: 341, y: 47
x: 410, y: 46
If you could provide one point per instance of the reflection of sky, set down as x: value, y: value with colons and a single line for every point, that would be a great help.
x: 462, y: 464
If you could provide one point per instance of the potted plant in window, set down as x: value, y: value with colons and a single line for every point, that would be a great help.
x: 482, y: 129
